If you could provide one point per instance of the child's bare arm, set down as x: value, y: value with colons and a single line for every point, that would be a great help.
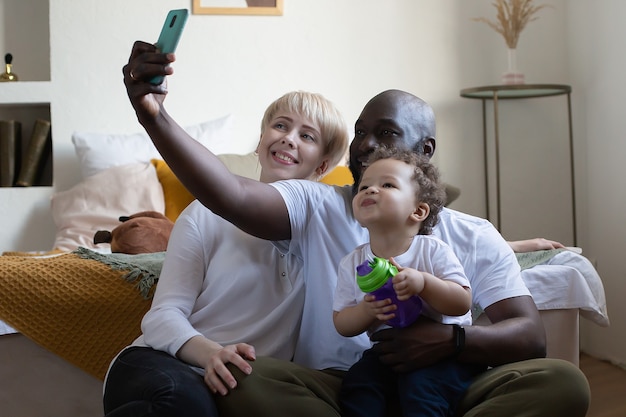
x: 446, y: 297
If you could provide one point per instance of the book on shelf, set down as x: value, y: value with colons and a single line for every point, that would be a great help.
x: 10, y: 151
x: 35, y: 154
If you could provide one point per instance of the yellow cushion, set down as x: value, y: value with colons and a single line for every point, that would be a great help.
x: 341, y: 175
x: 176, y: 196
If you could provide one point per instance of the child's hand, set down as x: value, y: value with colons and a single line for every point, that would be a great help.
x: 407, y: 282
x: 382, y: 310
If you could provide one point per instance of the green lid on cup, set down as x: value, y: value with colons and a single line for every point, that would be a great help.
x: 371, y: 275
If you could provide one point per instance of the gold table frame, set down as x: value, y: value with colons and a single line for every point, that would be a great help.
x: 496, y: 93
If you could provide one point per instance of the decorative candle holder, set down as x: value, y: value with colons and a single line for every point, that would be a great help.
x: 8, y: 74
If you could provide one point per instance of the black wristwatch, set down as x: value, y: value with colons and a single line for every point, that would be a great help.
x: 459, y: 339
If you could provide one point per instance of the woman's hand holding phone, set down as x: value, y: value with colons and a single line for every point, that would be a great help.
x: 170, y: 35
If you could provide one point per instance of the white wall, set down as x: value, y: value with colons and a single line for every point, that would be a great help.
x: 350, y: 50
x: 596, y: 42
x: 347, y: 50
x: 238, y: 64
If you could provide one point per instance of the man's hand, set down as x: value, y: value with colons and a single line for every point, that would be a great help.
x: 530, y: 245
x: 423, y: 343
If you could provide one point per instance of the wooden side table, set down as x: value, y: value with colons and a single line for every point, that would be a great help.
x: 512, y: 92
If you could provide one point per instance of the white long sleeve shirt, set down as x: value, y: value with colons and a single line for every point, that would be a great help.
x: 222, y: 283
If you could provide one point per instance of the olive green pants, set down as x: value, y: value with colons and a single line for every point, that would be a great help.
x: 539, y: 387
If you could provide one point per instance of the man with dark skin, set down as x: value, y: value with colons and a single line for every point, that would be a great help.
x: 520, y: 384
x: 396, y: 118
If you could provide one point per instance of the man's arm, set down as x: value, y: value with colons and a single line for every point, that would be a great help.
x: 255, y: 207
x: 516, y: 333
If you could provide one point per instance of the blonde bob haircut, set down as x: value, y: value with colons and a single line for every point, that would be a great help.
x: 320, y: 110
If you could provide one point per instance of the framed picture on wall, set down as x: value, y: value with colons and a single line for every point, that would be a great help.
x: 249, y: 7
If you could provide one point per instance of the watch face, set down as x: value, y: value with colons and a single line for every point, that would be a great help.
x: 459, y: 338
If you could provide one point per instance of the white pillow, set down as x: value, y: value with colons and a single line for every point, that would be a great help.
x: 97, y: 203
x: 99, y: 151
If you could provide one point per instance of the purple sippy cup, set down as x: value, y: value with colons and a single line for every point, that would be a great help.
x: 374, y: 277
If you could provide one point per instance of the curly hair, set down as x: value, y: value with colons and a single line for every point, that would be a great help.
x: 426, y: 176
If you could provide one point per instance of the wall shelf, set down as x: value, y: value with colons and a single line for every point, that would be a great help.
x: 25, y: 93
x: 26, y: 35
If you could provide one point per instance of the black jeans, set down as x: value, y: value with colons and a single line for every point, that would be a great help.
x: 147, y: 382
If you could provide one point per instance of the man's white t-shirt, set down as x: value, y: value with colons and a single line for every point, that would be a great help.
x: 323, y: 231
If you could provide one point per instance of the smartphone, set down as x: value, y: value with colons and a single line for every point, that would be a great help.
x: 170, y: 35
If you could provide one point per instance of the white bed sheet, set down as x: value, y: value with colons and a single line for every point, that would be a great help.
x: 6, y: 329
x: 568, y: 280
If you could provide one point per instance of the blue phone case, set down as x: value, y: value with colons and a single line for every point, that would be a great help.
x: 170, y: 35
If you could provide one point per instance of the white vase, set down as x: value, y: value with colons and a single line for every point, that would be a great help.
x: 512, y: 75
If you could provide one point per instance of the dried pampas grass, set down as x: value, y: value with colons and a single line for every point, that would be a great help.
x: 512, y: 18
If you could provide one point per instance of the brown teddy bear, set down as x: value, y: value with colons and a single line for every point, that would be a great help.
x: 144, y: 232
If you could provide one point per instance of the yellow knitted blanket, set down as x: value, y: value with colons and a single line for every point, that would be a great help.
x: 79, y: 309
